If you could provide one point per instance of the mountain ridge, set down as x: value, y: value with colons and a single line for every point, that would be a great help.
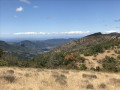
x: 87, y: 52
x: 30, y: 49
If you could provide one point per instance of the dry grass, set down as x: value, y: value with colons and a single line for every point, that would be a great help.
x: 46, y: 79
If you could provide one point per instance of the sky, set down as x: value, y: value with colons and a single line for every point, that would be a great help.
x: 58, y: 18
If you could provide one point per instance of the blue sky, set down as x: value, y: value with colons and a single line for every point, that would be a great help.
x: 43, y: 18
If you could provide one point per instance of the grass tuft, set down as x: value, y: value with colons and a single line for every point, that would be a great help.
x: 89, y: 86
x: 9, y: 78
x: 102, y: 86
x: 60, y: 78
x: 10, y: 71
x: 89, y: 76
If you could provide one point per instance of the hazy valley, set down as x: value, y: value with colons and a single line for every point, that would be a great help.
x: 28, y: 49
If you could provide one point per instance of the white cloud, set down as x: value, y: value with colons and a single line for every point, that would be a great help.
x: 35, y: 6
x: 53, y: 33
x: 25, y: 1
x: 76, y: 32
x: 20, y: 9
x: 112, y: 31
x: 30, y: 33
x: 25, y: 33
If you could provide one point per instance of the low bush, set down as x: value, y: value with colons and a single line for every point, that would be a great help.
x: 94, y: 50
x: 1, y: 52
x: 10, y: 71
x: 117, y: 51
x: 83, y: 67
x: 108, y: 51
x: 118, y: 57
x: 3, y: 63
x: 9, y: 78
x: 60, y: 78
x: 90, y: 76
x: 92, y: 68
x: 89, y: 86
x: 81, y: 59
x: 109, y: 64
x: 97, y: 68
x: 102, y: 86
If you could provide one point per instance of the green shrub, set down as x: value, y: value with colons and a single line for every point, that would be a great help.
x: 108, y: 51
x: 109, y: 64
x: 97, y: 68
x: 1, y: 52
x: 97, y: 49
x: 118, y: 57
x: 90, y: 76
x: 10, y: 71
x: 87, y: 53
x: 12, y: 60
x: 94, y: 50
x: 117, y: 51
x: 81, y: 59
x: 23, y: 64
x: 92, y: 68
x: 3, y: 63
x: 83, y: 67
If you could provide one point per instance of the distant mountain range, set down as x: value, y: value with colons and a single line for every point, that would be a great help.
x: 28, y: 49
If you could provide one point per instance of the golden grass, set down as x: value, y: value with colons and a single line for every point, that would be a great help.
x: 46, y: 79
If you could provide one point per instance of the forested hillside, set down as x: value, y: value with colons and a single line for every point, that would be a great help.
x: 98, y: 52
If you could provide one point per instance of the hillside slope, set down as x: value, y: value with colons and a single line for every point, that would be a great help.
x: 21, y: 52
x: 98, y: 52
x: 89, y: 52
x: 84, y: 42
